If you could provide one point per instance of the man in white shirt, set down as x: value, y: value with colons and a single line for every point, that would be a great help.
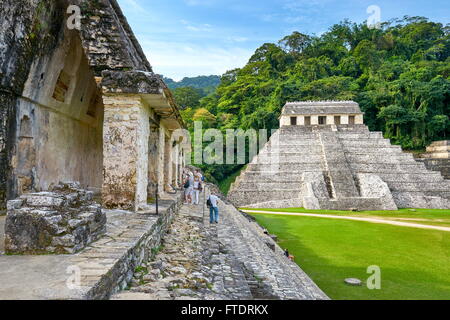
x: 213, y: 209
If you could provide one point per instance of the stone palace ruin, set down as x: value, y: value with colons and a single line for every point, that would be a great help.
x: 83, y: 105
x: 324, y: 157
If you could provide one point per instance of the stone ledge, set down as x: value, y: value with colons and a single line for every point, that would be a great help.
x: 132, y: 82
x: 105, y: 266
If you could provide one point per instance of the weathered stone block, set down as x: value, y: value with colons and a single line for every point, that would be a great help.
x: 59, y: 222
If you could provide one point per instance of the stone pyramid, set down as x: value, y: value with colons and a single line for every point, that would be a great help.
x: 324, y: 157
x: 437, y: 157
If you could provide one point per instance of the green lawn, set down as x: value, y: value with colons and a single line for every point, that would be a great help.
x: 438, y: 217
x: 415, y: 263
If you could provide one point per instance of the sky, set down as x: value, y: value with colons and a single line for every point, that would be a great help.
x: 187, y: 38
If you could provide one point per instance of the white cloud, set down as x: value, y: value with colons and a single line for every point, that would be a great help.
x: 134, y: 4
x: 200, y: 2
x: 178, y: 60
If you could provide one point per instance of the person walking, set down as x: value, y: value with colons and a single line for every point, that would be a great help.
x: 212, y: 203
x: 191, y: 187
x: 188, y: 187
x: 197, y: 189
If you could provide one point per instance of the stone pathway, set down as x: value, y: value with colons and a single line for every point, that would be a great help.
x: 234, y: 260
x: 372, y: 220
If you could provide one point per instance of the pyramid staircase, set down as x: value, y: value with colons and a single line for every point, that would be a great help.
x: 355, y: 168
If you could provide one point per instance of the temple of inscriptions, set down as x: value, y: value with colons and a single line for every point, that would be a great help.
x: 324, y: 157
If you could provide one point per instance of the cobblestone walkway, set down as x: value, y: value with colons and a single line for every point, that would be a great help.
x: 232, y: 260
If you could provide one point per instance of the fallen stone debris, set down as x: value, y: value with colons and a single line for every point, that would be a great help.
x: 63, y: 221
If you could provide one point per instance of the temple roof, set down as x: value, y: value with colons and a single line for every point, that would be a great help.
x: 321, y: 107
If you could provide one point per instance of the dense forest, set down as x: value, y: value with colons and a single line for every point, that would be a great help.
x: 399, y: 75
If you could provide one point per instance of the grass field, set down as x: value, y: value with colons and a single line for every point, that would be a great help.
x: 415, y: 263
x: 437, y: 217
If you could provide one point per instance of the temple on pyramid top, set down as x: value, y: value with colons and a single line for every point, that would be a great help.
x: 325, y: 157
x: 321, y: 113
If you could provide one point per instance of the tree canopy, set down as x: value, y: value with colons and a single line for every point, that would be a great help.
x: 399, y: 75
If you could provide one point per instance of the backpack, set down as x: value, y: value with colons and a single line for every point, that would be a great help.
x: 187, y: 184
x: 208, y: 203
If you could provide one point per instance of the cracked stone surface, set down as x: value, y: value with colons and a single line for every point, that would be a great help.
x: 228, y: 261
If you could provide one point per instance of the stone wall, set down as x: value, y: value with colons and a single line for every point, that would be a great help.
x: 6, y: 101
x: 22, y: 37
x: 143, y: 250
x: 45, y: 84
x: 437, y: 157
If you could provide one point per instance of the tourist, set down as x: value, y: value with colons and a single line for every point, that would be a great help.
x: 212, y: 203
x: 187, y: 188
x: 191, y: 187
x: 199, y: 174
x: 288, y: 255
x: 197, y: 189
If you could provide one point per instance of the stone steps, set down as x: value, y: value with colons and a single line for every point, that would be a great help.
x: 246, y: 197
x: 419, y: 186
x: 270, y: 185
x: 282, y: 159
x: 358, y: 136
x: 365, y: 142
x: 289, y: 141
x: 414, y: 199
x: 373, y: 150
x: 380, y: 158
x: 410, y: 177
x: 387, y: 167
x: 280, y: 178
x: 281, y: 278
x: 314, y: 149
x: 295, y: 168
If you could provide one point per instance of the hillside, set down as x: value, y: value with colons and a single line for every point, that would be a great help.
x: 207, y: 83
x: 399, y: 75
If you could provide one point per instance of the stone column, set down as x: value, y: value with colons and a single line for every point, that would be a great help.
x: 344, y: 119
x: 125, y: 148
x: 314, y: 120
x: 330, y: 119
x: 285, y: 121
x: 176, y: 158
x: 301, y: 120
x: 167, y: 163
x: 359, y: 119
x: 161, y: 151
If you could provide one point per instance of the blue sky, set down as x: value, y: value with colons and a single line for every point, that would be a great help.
x: 202, y: 37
